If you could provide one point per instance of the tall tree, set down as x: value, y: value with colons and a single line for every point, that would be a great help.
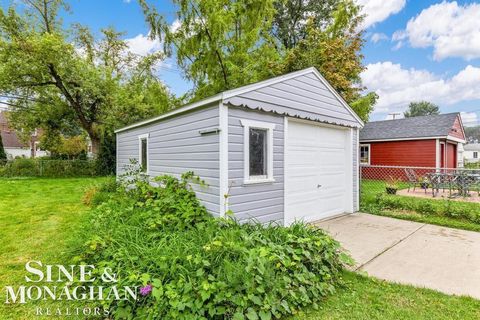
x: 421, y: 108
x: 3, y: 154
x: 225, y: 44
x: 335, y: 50
x: 63, y: 79
x: 219, y: 44
x: 289, y: 23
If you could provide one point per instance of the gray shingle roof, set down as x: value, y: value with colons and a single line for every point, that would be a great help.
x: 408, y: 128
x: 472, y: 147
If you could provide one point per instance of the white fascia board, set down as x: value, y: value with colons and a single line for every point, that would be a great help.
x: 180, y: 110
x: 456, y: 139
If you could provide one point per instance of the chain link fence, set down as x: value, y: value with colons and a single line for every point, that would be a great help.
x: 422, y: 182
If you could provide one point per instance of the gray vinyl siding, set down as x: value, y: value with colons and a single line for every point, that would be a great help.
x: 355, y: 151
x: 303, y: 97
x: 261, y: 202
x: 176, y: 146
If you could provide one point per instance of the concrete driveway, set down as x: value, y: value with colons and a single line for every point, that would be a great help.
x: 444, y: 259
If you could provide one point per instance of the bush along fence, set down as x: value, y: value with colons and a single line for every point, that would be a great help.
x: 431, y: 191
x: 48, y: 168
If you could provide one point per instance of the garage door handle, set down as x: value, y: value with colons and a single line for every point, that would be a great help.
x: 319, y: 185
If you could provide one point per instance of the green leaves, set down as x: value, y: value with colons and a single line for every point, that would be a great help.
x: 68, y: 82
x: 205, y: 268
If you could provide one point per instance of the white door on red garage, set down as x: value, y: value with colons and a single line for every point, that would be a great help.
x: 319, y: 171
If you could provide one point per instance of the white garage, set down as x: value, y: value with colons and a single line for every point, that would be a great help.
x: 318, y: 180
x: 280, y: 150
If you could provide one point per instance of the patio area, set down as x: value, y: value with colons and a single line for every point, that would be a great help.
x: 472, y: 196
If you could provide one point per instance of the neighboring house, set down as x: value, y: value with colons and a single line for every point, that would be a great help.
x: 426, y: 141
x: 471, y: 152
x: 279, y: 150
x: 14, y: 147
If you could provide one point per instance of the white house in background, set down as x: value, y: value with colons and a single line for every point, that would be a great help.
x: 279, y: 150
x: 471, y: 152
x: 14, y: 147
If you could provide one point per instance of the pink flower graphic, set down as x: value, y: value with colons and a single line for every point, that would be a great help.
x: 144, y: 291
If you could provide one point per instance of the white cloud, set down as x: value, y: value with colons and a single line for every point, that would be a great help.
x: 176, y: 24
x: 397, y: 46
x: 397, y: 87
x: 469, y: 119
x: 376, y: 37
x: 452, y: 30
x: 143, y: 45
x: 379, y: 10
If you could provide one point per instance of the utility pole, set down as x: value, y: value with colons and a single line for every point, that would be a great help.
x: 394, y: 114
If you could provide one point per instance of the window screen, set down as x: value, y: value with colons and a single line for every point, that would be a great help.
x: 258, y: 152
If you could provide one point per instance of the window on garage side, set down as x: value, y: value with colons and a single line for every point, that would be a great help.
x: 258, y: 151
x: 143, y: 152
x: 365, y: 154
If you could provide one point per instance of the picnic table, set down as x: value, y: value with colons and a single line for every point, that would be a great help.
x: 456, y: 180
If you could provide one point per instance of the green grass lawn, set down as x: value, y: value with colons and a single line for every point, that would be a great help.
x: 370, y: 189
x: 38, y: 217
x: 367, y: 299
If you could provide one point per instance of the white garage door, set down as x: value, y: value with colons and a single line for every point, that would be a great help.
x: 319, y: 178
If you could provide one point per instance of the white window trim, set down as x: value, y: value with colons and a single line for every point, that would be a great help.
x: 369, y: 153
x: 145, y: 136
x: 247, y: 124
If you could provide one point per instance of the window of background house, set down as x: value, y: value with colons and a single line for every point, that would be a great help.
x: 365, y: 154
x: 475, y: 155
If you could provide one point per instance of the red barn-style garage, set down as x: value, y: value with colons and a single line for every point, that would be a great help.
x: 426, y: 141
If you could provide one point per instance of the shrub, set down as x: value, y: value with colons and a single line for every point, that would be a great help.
x: 89, y: 194
x: 97, y: 194
x: 157, y: 233
x: 49, y: 168
x: 437, y: 207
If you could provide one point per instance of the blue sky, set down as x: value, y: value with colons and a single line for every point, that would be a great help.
x: 414, y: 50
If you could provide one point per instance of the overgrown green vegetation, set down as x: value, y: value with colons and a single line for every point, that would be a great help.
x: 455, y: 214
x: 39, y: 218
x: 49, y: 168
x: 198, y: 267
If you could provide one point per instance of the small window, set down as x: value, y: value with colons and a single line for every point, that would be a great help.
x: 475, y: 155
x: 143, y: 152
x: 258, y: 151
x: 365, y: 154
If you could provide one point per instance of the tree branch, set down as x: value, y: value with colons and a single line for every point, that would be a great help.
x: 217, y: 53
